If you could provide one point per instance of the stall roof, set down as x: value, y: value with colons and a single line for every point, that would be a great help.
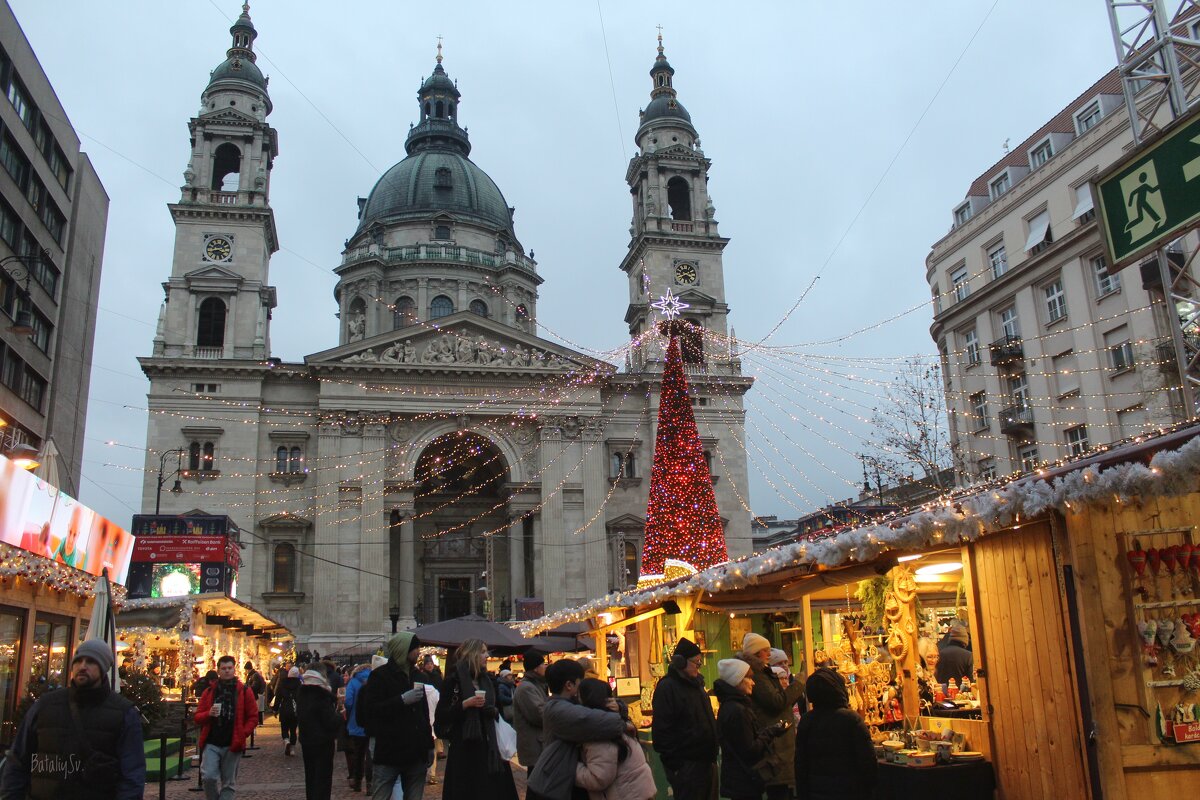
x: 1140, y: 467
x: 164, y: 612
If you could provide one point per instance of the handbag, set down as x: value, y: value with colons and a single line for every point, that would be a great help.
x: 506, y: 739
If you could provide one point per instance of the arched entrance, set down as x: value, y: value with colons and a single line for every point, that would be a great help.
x: 460, y: 495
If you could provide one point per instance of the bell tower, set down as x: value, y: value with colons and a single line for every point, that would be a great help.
x: 675, y: 244
x: 218, y: 303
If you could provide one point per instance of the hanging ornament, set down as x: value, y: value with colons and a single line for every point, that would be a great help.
x: 1153, y: 559
x: 1168, y: 555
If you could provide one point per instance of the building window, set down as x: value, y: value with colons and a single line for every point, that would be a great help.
x: 20, y: 102
x: 296, y: 460
x: 987, y: 469
x: 1009, y: 324
x: 1106, y: 282
x: 958, y: 279
x: 441, y: 232
x: 1066, y: 373
x: 404, y: 313
x: 979, y: 411
x: 1039, y: 233
x: 623, y: 465
x: 284, y: 572
x: 970, y: 344
x: 1027, y: 454
x: 10, y: 225
x: 226, y: 168
x: 51, y: 649
x: 1121, y: 356
x: 1085, y: 211
x: 998, y: 260
x: 42, y: 330
x: 1018, y: 390
x: 479, y: 307
x: 1040, y: 154
x: 14, y: 161
x: 1087, y: 119
x: 679, y: 199
x: 962, y: 214
x: 441, y: 306
x: 442, y: 179
x: 201, y: 456
x: 210, y: 329
x: 999, y: 186
x: 208, y: 458
x: 33, y: 390
x: 1077, y: 440
x: 54, y: 220
x: 206, y: 388
x: 1056, y: 301
x: 281, y: 459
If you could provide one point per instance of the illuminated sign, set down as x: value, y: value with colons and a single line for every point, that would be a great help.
x: 175, y: 555
x: 40, y: 518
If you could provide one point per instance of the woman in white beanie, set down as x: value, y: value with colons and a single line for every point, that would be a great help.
x: 745, y: 744
x: 773, y: 703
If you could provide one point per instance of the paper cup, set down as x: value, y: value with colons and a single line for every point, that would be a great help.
x: 216, y: 708
x: 481, y: 694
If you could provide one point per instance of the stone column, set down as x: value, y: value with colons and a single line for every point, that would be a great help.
x: 406, y: 578
x: 374, y: 540
x: 554, y: 544
x: 423, y: 299
x: 595, y: 490
x: 516, y: 561
x: 325, y: 529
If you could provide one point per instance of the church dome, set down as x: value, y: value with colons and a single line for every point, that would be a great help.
x: 665, y: 107
x: 437, y: 180
x: 239, y: 69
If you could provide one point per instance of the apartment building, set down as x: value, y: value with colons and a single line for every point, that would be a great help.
x: 1047, y: 352
x: 53, y: 214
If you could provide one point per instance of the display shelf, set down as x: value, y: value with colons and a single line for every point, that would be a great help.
x: 1195, y: 601
x: 1164, y: 684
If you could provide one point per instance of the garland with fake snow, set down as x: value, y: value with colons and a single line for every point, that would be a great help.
x: 18, y: 563
x: 959, y: 520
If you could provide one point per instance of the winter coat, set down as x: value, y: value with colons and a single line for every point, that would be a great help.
x: 684, y: 726
x: 772, y: 703
x: 834, y: 754
x: 528, y: 701
x: 567, y: 725
x: 607, y: 778
x: 285, y: 700
x: 357, y: 681
x: 955, y: 661
x: 744, y: 742
x: 245, y: 716
x: 403, y: 737
x: 316, y: 714
x: 111, y: 725
x: 474, y: 769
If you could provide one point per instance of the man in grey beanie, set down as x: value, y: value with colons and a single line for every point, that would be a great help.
x: 83, y: 741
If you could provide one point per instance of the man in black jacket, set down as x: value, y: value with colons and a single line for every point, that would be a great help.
x: 835, y: 759
x: 81, y: 742
x: 685, y: 731
x: 392, y: 709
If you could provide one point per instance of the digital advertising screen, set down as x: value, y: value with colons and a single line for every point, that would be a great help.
x: 175, y: 555
x: 38, y: 517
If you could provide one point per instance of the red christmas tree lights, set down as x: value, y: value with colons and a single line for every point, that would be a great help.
x: 682, y: 521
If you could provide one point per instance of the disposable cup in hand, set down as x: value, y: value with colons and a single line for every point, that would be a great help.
x: 216, y: 708
x: 481, y: 694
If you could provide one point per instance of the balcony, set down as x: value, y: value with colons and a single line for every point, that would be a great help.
x: 1006, y: 350
x: 1016, y: 420
x: 208, y: 352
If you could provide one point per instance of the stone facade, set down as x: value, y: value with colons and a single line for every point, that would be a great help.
x: 441, y: 456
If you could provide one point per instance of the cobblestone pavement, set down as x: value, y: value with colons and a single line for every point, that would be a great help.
x: 270, y: 775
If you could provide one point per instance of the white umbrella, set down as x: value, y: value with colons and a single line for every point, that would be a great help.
x: 103, y: 625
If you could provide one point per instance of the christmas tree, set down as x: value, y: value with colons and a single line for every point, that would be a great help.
x: 682, y: 521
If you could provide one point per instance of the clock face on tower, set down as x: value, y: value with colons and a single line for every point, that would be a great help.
x: 217, y: 248
x: 685, y: 274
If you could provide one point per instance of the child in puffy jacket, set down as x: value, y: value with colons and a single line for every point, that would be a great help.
x: 612, y: 770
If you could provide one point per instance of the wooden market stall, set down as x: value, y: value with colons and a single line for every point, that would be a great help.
x: 1082, y: 617
x: 184, y: 636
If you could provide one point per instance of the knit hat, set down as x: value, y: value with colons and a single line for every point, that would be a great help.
x: 960, y: 635
x: 778, y: 658
x: 97, y: 650
x: 533, y: 660
x: 315, y: 677
x: 378, y: 661
x: 686, y: 648
x: 753, y: 643
x: 294, y: 672
x: 825, y: 688
x: 732, y: 670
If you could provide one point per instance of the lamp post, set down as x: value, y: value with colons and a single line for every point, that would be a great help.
x: 177, y: 488
x: 394, y: 616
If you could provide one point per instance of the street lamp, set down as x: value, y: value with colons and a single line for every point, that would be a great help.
x: 22, y: 454
x: 177, y: 488
x: 23, y: 321
x: 394, y: 616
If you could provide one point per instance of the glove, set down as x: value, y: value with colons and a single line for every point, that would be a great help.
x: 413, y: 696
x: 778, y: 729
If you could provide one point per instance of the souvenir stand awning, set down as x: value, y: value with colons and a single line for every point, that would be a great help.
x: 1055, y: 621
x: 199, y: 629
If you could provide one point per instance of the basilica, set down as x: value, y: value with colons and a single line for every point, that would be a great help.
x: 440, y: 457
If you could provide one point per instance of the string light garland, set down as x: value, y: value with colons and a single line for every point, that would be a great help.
x: 18, y: 564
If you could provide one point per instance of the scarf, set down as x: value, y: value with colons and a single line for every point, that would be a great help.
x: 225, y: 693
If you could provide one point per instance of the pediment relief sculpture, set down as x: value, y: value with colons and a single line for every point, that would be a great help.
x: 461, y: 348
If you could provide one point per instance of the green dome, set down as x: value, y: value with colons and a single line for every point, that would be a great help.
x: 666, y: 107
x: 239, y: 69
x: 416, y: 188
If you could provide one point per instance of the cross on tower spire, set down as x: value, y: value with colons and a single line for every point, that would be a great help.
x: 439, y: 55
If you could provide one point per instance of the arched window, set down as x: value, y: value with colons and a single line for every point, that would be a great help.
x: 227, y: 168
x: 208, y: 459
x: 439, y: 108
x: 296, y: 464
x: 427, y: 108
x: 441, y: 306
x: 285, y: 568
x: 404, y: 313
x: 210, y: 330
x: 479, y: 307
x: 679, y: 198
x: 281, y: 459
x: 194, y: 456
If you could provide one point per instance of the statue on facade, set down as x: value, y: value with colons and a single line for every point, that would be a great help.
x: 465, y: 351
x: 483, y: 352
x: 430, y: 353
x: 410, y: 352
x: 391, y: 355
x: 357, y: 326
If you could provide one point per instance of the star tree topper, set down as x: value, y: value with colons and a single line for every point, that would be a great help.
x: 669, y: 305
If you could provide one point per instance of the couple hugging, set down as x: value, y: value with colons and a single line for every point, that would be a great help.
x: 591, y: 750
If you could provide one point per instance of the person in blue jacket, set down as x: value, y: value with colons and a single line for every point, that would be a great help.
x: 357, y: 757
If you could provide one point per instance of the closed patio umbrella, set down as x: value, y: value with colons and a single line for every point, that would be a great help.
x: 103, y: 625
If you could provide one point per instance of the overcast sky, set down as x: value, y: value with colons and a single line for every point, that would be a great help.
x: 841, y: 136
